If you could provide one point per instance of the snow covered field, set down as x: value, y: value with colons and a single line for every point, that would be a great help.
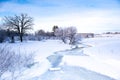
x: 100, y: 60
x: 103, y: 56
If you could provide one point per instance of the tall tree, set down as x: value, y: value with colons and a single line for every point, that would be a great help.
x: 21, y: 23
x: 54, y: 29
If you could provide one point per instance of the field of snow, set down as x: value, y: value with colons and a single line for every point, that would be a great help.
x: 103, y: 56
x: 95, y: 59
x: 107, y: 51
x: 41, y: 50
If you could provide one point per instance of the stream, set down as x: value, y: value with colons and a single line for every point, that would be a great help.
x: 67, y: 72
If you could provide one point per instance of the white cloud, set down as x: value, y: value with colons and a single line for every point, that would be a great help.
x: 0, y: 18
x: 63, y: 14
x: 96, y: 20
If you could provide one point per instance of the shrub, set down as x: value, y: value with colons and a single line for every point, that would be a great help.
x: 2, y: 35
x: 6, y: 58
x: 11, y: 61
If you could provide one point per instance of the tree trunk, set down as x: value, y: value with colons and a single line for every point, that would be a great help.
x: 72, y: 40
x: 21, y: 38
x: 12, y: 39
x: 63, y: 39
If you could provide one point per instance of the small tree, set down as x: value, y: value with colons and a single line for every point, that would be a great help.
x: 61, y: 33
x: 49, y: 34
x: 71, y: 32
x: 11, y: 35
x: 20, y: 23
x: 66, y: 33
x: 40, y: 34
x: 2, y: 35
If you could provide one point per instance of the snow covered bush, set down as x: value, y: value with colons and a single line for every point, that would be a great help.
x: 6, y: 59
x: 22, y: 61
x: 2, y: 35
x: 14, y: 62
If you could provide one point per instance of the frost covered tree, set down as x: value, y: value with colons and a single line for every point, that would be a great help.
x: 61, y: 33
x: 66, y: 34
x: 71, y: 32
x: 20, y: 23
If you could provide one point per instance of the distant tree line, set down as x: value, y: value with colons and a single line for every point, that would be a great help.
x: 18, y: 25
x: 4, y: 34
x: 41, y: 34
x: 112, y: 33
x: 65, y: 34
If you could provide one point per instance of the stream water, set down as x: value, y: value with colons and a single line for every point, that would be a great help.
x: 67, y: 72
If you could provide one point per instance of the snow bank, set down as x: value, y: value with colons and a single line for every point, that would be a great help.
x: 108, y: 52
x: 103, y: 57
x: 41, y: 50
x: 93, y: 65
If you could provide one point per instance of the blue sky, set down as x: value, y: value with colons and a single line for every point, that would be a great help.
x: 86, y: 15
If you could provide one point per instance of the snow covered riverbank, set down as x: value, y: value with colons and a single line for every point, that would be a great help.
x: 103, y: 57
x: 99, y: 61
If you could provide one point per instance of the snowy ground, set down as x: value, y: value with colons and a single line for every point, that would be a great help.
x: 41, y: 50
x: 73, y: 73
x: 98, y: 60
x: 107, y: 51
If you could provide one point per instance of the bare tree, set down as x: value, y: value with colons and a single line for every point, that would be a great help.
x: 40, y: 34
x: 71, y: 32
x: 21, y: 23
x: 66, y: 34
x: 61, y: 33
